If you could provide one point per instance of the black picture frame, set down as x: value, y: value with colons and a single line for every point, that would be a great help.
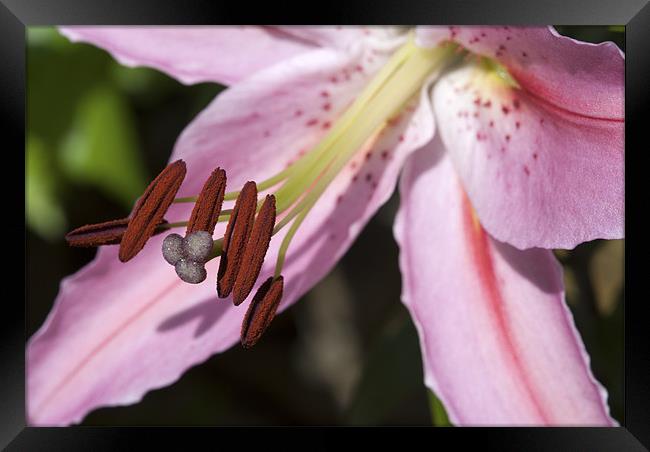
x: 634, y: 433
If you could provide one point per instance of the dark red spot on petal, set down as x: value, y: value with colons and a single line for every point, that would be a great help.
x: 368, y: 155
x: 505, y: 109
x: 334, y: 79
x: 401, y: 138
x: 312, y: 122
x: 517, y: 124
x: 327, y: 106
x: 491, y: 124
x: 327, y: 125
x: 368, y: 177
x: 324, y: 94
x: 507, y: 137
x: 535, y: 155
x: 487, y: 103
x: 267, y: 133
x: 516, y: 104
x: 298, y: 113
x: 524, y: 54
x: 526, y: 170
x: 384, y: 155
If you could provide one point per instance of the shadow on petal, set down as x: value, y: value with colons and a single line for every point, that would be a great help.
x: 526, y: 263
x: 207, y: 313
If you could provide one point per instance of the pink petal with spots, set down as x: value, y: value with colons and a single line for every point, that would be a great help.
x: 259, y: 126
x: 119, y: 330
x: 583, y: 78
x: 499, y: 344
x: 537, y: 176
x: 223, y: 54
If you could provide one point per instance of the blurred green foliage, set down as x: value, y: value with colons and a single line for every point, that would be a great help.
x: 100, y: 147
x: 44, y: 212
x: 81, y: 130
x: 97, y: 131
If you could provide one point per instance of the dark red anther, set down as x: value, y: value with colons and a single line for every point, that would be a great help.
x: 150, y: 209
x: 261, y: 311
x: 255, y: 251
x: 106, y: 233
x: 237, y: 233
x: 208, y: 204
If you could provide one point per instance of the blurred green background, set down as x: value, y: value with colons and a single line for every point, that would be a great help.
x: 98, y: 132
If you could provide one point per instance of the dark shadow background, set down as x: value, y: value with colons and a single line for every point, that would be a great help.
x: 346, y: 354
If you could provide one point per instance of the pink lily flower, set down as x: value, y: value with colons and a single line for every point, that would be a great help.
x: 528, y: 157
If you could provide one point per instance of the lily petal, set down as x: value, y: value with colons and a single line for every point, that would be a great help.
x: 583, y: 78
x: 342, y: 37
x: 537, y: 175
x: 119, y: 330
x: 261, y: 125
x: 223, y: 54
x: 498, y: 342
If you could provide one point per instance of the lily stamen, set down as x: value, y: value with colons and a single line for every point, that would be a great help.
x: 150, y: 209
x: 255, y: 251
x: 261, y: 311
x: 208, y: 204
x: 106, y: 233
x: 237, y: 233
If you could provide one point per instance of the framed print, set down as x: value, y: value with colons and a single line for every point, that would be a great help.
x: 445, y: 204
